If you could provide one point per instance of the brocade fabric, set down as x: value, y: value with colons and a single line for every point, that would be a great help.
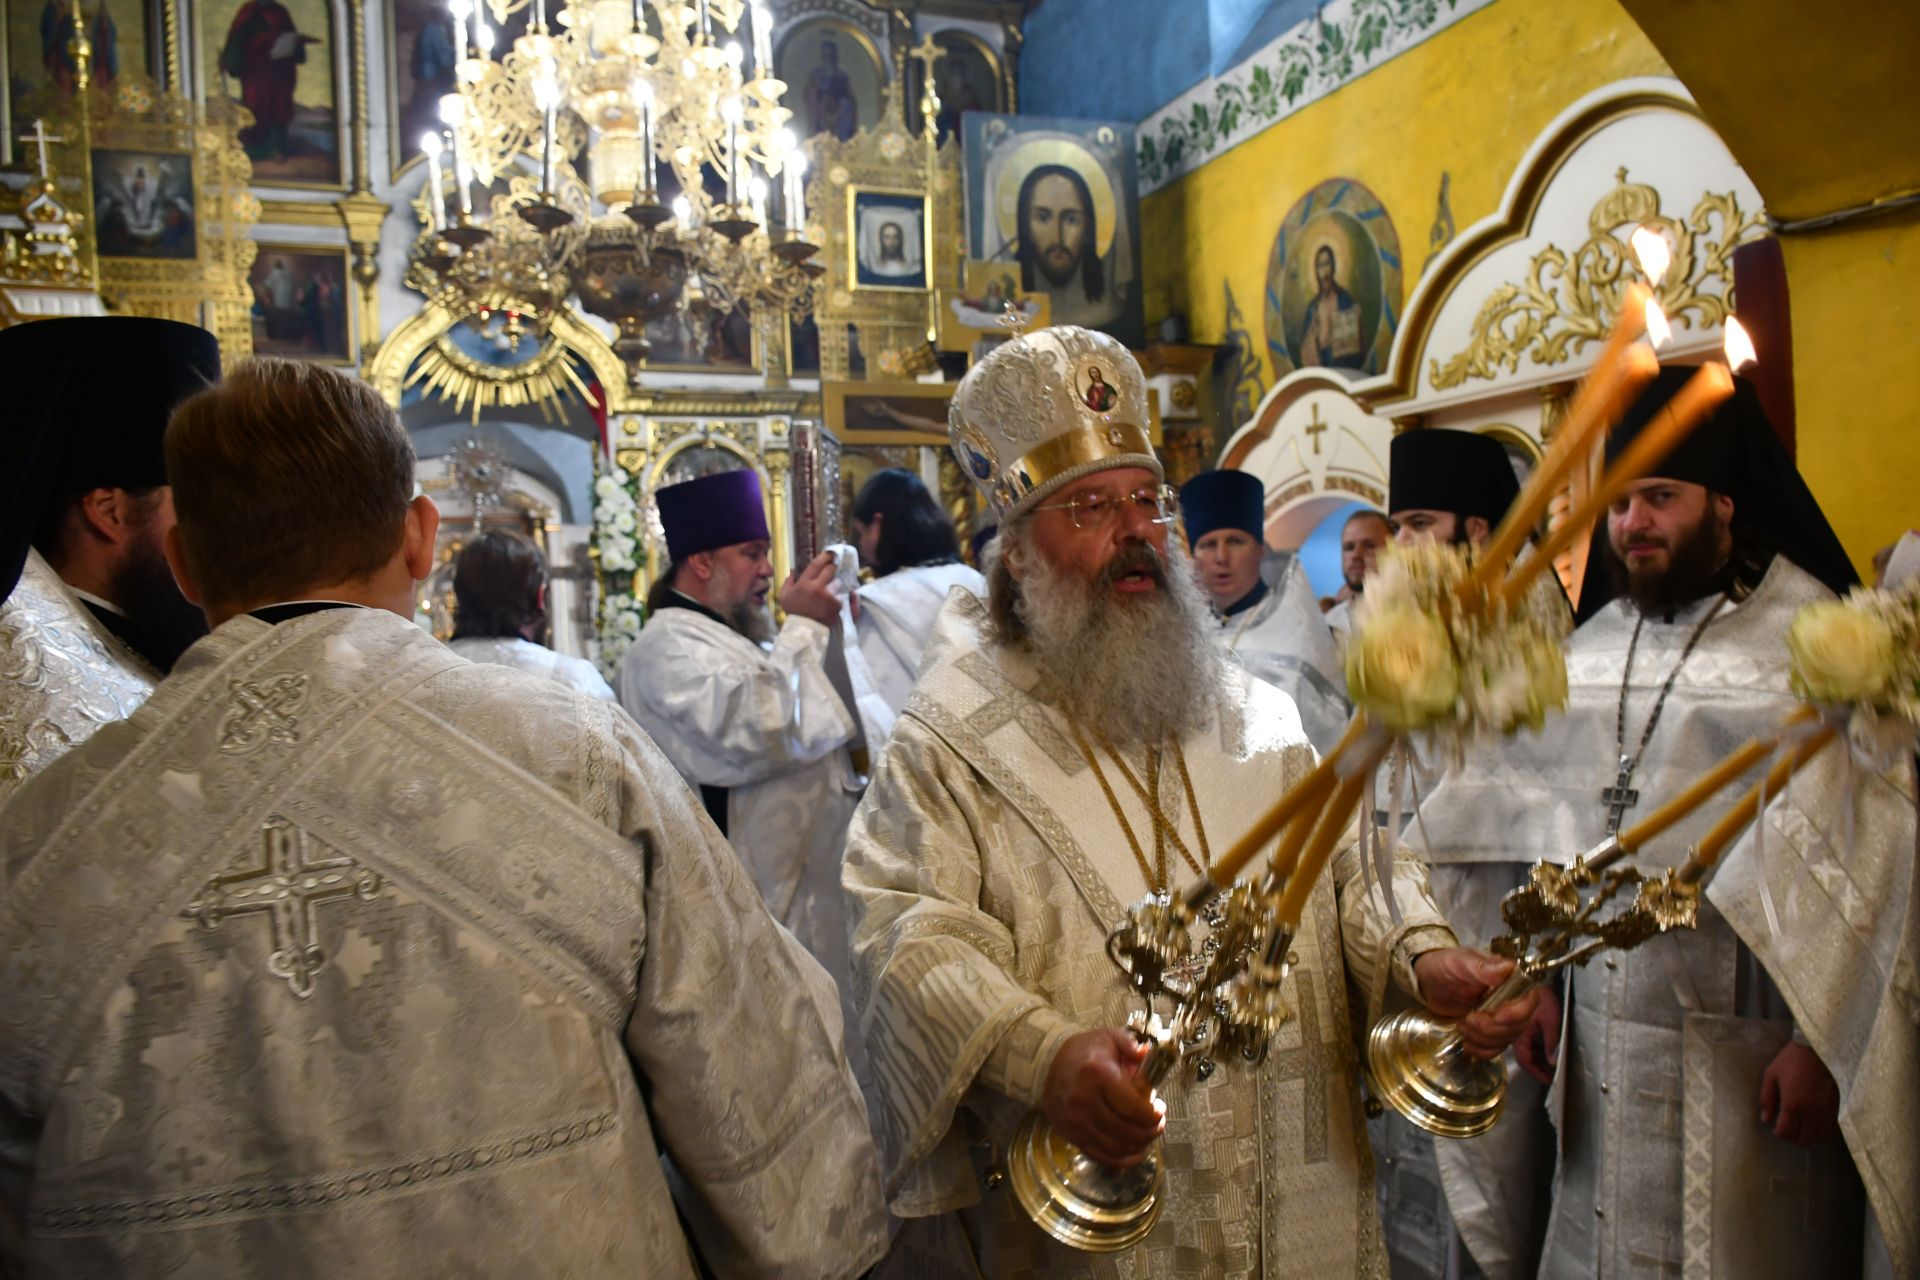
x: 62, y: 675
x: 346, y: 957
x: 984, y: 869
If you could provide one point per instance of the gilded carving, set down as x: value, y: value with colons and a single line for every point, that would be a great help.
x: 1568, y: 300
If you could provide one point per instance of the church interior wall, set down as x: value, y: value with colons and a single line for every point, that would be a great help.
x: 1112, y: 59
x: 1466, y: 104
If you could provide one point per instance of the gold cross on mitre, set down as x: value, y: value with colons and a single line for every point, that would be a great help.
x: 40, y: 138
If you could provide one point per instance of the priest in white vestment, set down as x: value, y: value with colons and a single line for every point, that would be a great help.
x: 89, y: 613
x: 500, y: 612
x: 1073, y: 744
x: 910, y: 544
x: 1674, y: 1049
x: 1455, y: 487
x: 1361, y: 538
x: 346, y: 957
x: 752, y: 718
x: 1267, y: 615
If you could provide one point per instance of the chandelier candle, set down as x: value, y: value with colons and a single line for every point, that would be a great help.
x: 436, y: 201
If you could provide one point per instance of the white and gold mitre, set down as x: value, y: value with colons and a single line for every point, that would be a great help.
x: 1046, y: 408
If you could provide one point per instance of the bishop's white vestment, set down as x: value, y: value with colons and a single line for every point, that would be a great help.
x: 896, y: 617
x: 62, y: 675
x: 768, y: 728
x: 348, y: 957
x: 984, y: 870
x: 537, y: 659
x: 1661, y: 1161
x: 1284, y: 640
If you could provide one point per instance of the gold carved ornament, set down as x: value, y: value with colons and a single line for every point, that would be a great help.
x: 1570, y: 299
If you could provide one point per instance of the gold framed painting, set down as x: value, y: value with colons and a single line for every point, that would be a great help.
x: 279, y: 60
x: 837, y: 81
x: 977, y: 311
x: 701, y: 338
x: 145, y: 203
x: 968, y: 78
x: 301, y: 305
x: 887, y: 413
x: 40, y: 67
x: 889, y: 239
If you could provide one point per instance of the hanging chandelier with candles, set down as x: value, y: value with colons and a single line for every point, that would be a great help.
x: 692, y: 180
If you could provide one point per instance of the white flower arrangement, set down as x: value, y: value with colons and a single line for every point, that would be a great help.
x: 616, y: 522
x: 1858, y: 661
x: 1418, y: 662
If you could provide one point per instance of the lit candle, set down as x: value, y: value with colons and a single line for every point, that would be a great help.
x: 730, y: 112
x: 797, y: 192
x: 1738, y: 346
x: 539, y: 15
x: 643, y: 95
x: 1704, y: 787
x: 1695, y: 401
x: 683, y: 210
x: 546, y: 95
x: 762, y: 41
x: 1733, y: 821
x: 436, y: 206
x: 757, y: 195
x: 706, y: 21
x: 1335, y: 821
x: 462, y: 177
x: 1587, y: 416
x: 1305, y: 796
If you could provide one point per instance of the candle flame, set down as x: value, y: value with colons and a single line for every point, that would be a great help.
x: 1650, y: 247
x: 1659, y: 332
x: 1739, y: 346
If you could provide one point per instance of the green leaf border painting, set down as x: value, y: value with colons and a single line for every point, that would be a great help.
x: 1343, y: 41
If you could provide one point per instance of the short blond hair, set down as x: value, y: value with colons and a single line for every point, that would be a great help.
x: 287, y: 475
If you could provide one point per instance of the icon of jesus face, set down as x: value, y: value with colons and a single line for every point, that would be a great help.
x: 1057, y: 227
x: 893, y: 242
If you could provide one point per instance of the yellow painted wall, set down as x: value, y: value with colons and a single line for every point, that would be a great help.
x: 1469, y: 101
x: 1855, y: 294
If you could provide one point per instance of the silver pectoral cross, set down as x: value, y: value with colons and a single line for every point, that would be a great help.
x: 1619, y: 797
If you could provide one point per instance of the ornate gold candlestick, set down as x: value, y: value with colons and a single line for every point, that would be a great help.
x: 1420, y: 1065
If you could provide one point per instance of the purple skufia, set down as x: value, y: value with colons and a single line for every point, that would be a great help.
x: 712, y: 511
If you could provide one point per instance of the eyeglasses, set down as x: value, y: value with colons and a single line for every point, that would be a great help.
x: 1099, y: 510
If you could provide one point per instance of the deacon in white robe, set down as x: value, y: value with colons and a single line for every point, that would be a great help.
x: 500, y: 612
x: 1267, y: 615
x: 1661, y: 1073
x: 763, y: 732
x: 347, y: 957
x: 1453, y: 487
x: 999, y: 844
x: 89, y: 613
x: 909, y: 543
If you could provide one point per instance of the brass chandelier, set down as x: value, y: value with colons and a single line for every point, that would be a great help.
x: 692, y: 183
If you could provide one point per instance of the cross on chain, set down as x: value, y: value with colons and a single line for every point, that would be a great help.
x: 288, y: 887
x: 1315, y: 428
x: 1669, y: 1099
x: 1619, y: 797
x: 1667, y: 1262
x: 40, y: 138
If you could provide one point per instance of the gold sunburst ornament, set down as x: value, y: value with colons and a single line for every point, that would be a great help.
x: 547, y: 381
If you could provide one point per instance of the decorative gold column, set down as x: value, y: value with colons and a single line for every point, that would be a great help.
x: 359, y: 209
x: 1010, y: 62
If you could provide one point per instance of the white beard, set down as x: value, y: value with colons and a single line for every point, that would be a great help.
x: 750, y: 618
x: 1139, y: 670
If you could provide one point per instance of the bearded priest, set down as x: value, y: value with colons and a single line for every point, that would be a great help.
x: 90, y: 618
x: 753, y: 717
x: 1268, y: 617
x: 1795, y: 1000
x: 346, y: 956
x: 1073, y: 744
